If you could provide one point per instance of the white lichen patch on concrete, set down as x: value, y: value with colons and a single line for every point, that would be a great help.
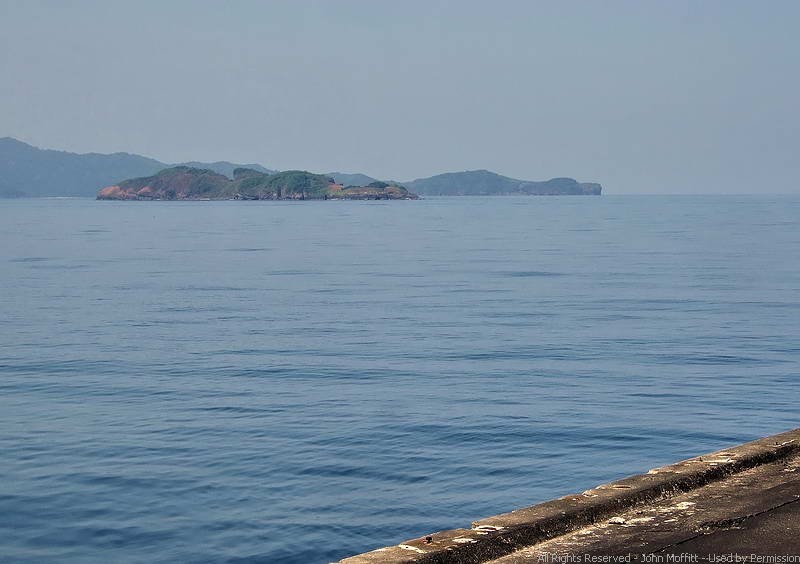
x: 681, y: 506
x: 487, y: 528
x: 464, y: 540
x: 638, y: 520
x: 684, y: 505
x: 409, y: 547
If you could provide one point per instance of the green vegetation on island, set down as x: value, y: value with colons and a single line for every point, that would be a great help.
x: 355, y: 179
x: 187, y: 183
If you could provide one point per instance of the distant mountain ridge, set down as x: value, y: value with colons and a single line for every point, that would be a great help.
x: 27, y: 171
x: 487, y: 183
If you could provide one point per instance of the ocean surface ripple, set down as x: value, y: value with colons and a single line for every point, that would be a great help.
x: 291, y: 383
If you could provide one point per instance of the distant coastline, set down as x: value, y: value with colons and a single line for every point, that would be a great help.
x: 27, y: 171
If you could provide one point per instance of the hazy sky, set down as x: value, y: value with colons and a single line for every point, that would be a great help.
x: 644, y: 97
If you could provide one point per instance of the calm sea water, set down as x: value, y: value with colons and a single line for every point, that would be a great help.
x: 297, y: 382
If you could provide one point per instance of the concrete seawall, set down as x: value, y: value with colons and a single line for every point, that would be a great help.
x: 754, y: 485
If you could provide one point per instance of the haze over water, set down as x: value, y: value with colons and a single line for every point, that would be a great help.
x: 297, y: 382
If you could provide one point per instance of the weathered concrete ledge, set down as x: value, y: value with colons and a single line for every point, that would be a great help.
x: 501, y: 535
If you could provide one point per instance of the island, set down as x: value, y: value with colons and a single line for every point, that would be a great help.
x: 189, y: 183
x: 488, y: 183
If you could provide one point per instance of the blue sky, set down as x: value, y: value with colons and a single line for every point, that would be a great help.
x: 644, y: 97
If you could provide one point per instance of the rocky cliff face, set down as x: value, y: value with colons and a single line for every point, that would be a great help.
x: 591, y: 188
x: 177, y: 183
